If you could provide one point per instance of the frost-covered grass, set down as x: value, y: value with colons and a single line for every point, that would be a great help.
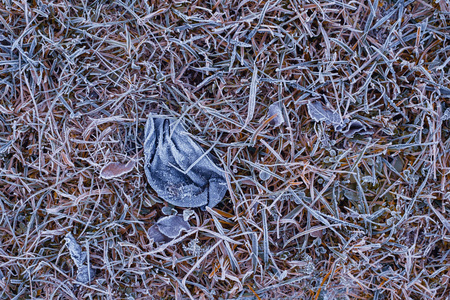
x: 315, y: 210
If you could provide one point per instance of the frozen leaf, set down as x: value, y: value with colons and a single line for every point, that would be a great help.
x: 275, y: 110
x: 172, y: 226
x: 77, y: 255
x: 85, y: 273
x: 351, y: 195
x: 354, y: 127
x: 116, y: 169
x: 187, y: 214
x: 178, y: 169
x: 168, y: 228
x: 320, y: 113
x: 168, y: 211
x: 156, y: 235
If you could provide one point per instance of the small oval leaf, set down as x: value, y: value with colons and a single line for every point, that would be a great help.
x: 116, y: 169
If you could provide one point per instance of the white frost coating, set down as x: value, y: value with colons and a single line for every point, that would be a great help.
x: 85, y: 273
x: 178, y: 169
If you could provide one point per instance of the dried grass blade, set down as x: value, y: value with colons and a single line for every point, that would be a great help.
x: 265, y: 236
x: 232, y: 258
x: 252, y: 97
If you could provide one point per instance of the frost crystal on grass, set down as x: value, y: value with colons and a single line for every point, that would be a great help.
x: 178, y: 169
x: 85, y: 273
x: 369, y: 179
x: 309, y: 268
x: 194, y: 249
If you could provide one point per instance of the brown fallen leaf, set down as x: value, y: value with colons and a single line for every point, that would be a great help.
x: 116, y: 169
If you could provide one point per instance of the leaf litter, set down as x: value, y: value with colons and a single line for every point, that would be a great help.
x: 356, y: 205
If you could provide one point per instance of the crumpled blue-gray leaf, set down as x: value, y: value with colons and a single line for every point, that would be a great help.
x: 168, y: 228
x: 178, y: 169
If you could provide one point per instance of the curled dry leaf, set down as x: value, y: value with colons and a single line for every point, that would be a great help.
x: 168, y: 228
x: 275, y: 110
x: 116, y: 169
x: 178, y: 169
x: 354, y: 127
